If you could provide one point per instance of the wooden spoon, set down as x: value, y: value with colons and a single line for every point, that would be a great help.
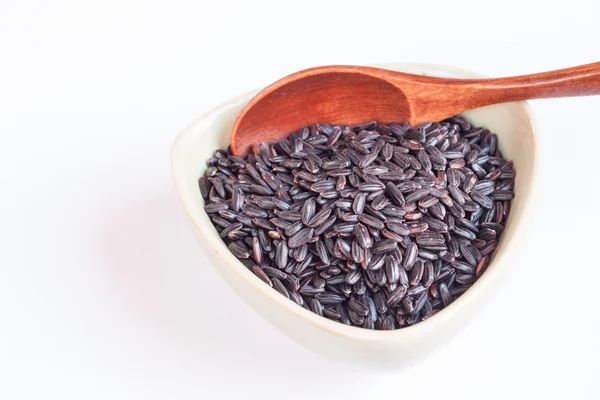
x: 350, y: 95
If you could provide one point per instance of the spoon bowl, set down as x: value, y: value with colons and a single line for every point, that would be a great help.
x: 358, y: 348
x: 335, y: 95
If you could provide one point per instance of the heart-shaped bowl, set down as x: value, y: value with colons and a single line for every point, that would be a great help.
x: 359, y: 348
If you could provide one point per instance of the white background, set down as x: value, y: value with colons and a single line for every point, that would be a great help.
x: 103, y: 291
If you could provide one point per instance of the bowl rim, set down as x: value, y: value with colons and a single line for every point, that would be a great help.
x: 352, y: 332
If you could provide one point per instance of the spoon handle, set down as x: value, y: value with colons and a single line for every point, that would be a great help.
x: 451, y: 96
x: 583, y: 80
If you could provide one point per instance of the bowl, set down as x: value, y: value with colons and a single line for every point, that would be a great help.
x: 359, y: 348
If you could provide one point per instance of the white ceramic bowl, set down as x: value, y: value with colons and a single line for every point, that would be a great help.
x: 363, y: 349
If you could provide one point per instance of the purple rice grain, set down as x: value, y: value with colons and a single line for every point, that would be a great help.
x: 262, y: 276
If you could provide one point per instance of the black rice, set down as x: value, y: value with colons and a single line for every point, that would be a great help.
x: 376, y: 226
